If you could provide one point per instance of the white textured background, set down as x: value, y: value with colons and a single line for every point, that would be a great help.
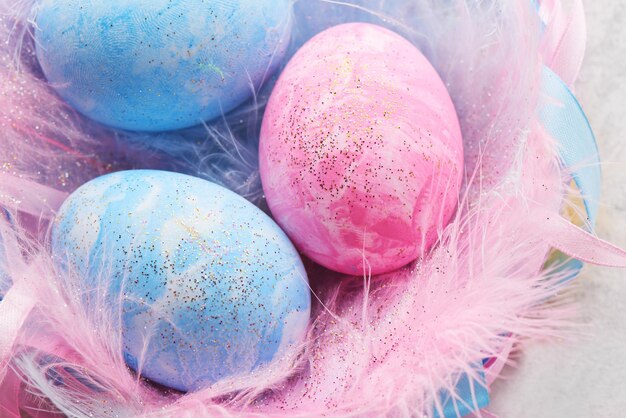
x: 586, y: 377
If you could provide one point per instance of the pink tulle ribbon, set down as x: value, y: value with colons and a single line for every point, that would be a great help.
x: 10, y: 396
x: 565, y: 39
x: 580, y: 244
x: 29, y: 197
x: 495, y: 367
x: 14, y: 310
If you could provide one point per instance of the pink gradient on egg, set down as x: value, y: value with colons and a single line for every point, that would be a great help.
x: 361, y: 154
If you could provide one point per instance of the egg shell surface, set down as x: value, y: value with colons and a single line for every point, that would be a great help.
x: 156, y: 65
x: 361, y: 154
x: 204, y: 279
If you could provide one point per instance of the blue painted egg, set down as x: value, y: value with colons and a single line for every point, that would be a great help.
x: 207, y: 283
x: 156, y: 65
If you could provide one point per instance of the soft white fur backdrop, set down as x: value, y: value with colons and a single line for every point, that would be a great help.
x: 586, y: 377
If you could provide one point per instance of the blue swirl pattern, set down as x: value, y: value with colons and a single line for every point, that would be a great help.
x: 207, y: 282
x: 157, y: 65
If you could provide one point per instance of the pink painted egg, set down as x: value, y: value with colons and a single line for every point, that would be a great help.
x: 361, y: 152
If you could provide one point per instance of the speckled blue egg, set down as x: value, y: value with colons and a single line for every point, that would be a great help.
x: 156, y: 65
x: 209, y: 284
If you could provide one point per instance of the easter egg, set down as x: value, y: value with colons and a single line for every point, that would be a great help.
x: 155, y: 65
x: 361, y: 154
x: 208, y: 285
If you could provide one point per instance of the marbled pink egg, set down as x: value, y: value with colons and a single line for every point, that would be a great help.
x: 361, y: 152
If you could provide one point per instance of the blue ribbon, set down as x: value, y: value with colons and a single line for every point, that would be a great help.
x: 470, y: 396
x: 564, y: 119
